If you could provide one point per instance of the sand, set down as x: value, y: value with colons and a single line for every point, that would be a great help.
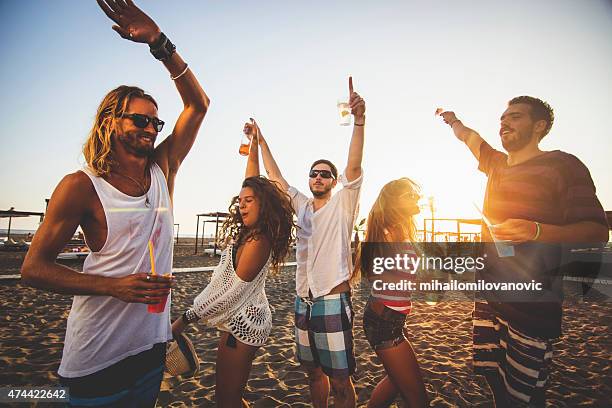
x: 33, y: 323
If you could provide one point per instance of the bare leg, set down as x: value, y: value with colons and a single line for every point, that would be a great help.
x: 319, y: 387
x: 384, y: 394
x: 344, y: 392
x: 233, y: 369
x: 403, y: 370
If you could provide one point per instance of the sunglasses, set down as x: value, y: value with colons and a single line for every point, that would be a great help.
x: 326, y: 174
x: 142, y: 121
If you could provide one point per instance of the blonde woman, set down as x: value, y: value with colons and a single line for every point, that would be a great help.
x: 391, y: 227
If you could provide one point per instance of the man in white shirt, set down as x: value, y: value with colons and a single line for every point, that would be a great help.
x: 323, y: 314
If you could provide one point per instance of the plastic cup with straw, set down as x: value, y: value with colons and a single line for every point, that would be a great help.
x: 161, y: 306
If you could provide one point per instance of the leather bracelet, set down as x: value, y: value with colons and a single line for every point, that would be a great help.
x: 453, y: 122
x: 538, y: 231
x: 162, y: 49
x: 360, y: 124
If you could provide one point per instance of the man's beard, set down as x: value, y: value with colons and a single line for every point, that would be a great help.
x: 131, y: 142
x: 318, y: 194
x: 517, y: 144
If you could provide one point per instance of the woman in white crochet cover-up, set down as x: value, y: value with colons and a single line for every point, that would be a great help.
x: 257, y: 234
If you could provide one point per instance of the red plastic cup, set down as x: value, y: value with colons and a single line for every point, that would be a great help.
x: 158, y: 307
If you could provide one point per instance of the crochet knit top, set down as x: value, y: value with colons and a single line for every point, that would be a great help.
x: 236, y: 306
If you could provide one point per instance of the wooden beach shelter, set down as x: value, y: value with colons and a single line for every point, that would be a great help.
x: 214, y: 217
x: 12, y: 213
x: 458, y: 221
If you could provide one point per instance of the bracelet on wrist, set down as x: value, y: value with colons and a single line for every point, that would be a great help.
x: 453, y: 123
x: 174, y: 78
x: 538, y: 231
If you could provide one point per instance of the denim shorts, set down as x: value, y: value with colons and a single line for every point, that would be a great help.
x: 383, y: 330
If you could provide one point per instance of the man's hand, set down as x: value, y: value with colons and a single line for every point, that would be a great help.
x: 466, y: 135
x: 132, y: 23
x: 448, y: 116
x: 515, y: 230
x: 450, y: 119
x: 141, y: 288
x: 355, y: 156
x: 356, y: 103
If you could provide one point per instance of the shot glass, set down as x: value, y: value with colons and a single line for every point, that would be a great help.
x: 345, y: 113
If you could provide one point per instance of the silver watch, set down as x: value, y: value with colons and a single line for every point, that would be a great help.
x: 190, y: 316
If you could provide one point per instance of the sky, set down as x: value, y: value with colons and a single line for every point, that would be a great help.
x: 286, y: 64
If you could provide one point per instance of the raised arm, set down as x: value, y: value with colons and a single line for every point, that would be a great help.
x: 70, y: 204
x: 468, y: 136
x: 134, y: 25
x: 252, y: 168
x: 355, y: 156
x: 270, y: 165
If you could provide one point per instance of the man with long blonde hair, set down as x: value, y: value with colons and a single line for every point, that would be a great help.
x: 119, y: 323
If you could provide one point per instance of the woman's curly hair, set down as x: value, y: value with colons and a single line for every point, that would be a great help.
x: 275, y: 221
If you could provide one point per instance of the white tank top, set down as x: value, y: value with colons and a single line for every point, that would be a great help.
x: 103, y: 330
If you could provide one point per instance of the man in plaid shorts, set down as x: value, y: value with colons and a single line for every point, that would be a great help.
x: 539, y: 200
x: 323, y: 311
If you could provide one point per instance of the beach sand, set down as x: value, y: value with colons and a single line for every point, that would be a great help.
x: 33, y: 323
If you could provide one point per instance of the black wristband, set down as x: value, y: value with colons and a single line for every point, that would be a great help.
x: 162, y: 49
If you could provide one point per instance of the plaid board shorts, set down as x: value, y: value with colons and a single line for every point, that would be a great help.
x: 522, y: 362
x: 324, y: 334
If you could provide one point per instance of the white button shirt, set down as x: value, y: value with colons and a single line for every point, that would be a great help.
x: 324, y: 238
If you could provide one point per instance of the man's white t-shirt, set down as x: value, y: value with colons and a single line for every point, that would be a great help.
x: 324, y: 238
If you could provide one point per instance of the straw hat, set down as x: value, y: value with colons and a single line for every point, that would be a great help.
x: 181, y: 357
